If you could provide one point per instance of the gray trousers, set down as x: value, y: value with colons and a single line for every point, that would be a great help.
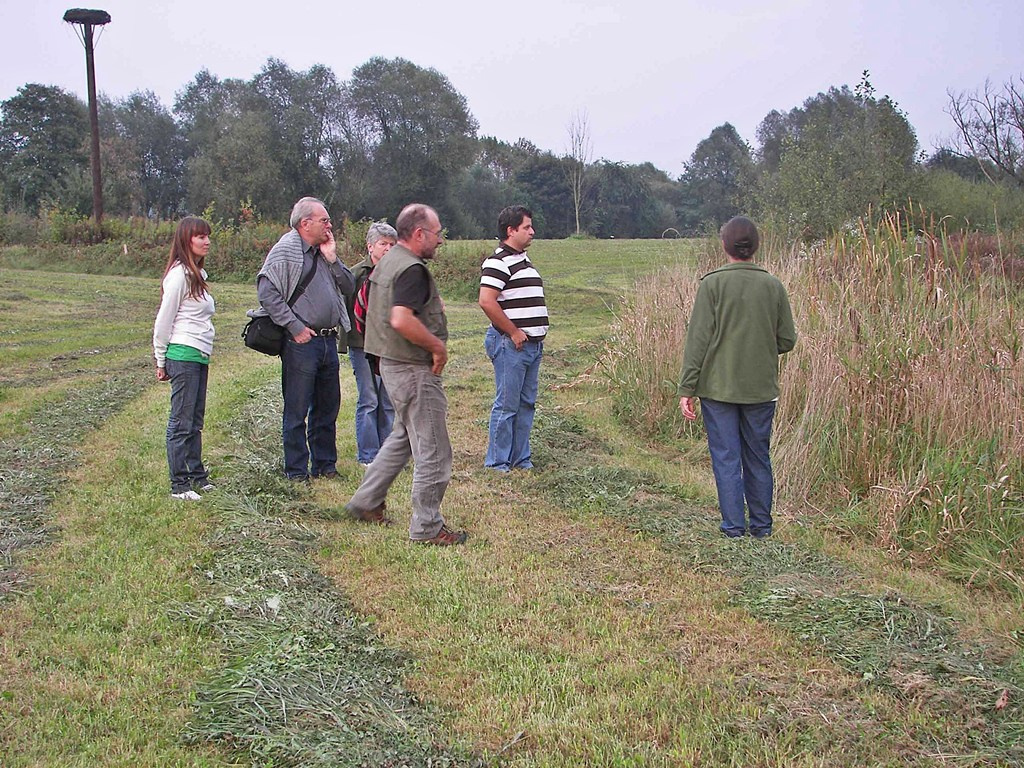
x: 421, y: 432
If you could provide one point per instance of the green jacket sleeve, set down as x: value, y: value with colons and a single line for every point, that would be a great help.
x: 698, y: 337
x: 786, y: 333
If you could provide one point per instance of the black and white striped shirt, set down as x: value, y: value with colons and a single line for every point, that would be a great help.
x: 520, y: 289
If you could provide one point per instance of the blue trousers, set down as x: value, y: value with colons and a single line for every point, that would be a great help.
x: 311, y: 391
x: 739, y: 438
x: 516, y: 375
x: 375, y: 415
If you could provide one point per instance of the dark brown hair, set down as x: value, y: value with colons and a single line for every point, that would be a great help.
x: 181, y: 251
x: 511, y: 217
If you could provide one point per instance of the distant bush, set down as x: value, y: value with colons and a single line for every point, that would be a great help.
x: 900, y: 407
x: 139, y: 247
x: 968, y: 204
x: 456, y: 267
x: 19, y: 229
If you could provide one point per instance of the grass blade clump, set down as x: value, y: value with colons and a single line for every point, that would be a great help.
x: 33, y: 463
x: 307, y: 683
x: 914, y: 652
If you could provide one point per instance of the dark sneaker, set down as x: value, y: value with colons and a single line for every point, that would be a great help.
x: 446, y: 537
x: 375, y: 516
x: 328, y: 475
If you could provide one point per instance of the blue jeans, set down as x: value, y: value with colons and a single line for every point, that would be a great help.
x: 421, y: 433
x: 739, y: 438
x: 374, y: 412
x: 185, y: 424
x: 311, y: 391
x: 516, y: 374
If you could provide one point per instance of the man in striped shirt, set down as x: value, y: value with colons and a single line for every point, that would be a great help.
x: 512, y: 297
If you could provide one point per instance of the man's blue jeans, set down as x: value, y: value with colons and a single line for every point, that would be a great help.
x: 516, y: 375
x: 311, y: 391
x: 185, y: 425
x: 374, y: 412
x: 739, y: 438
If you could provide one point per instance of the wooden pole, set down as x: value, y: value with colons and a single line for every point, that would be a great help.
x: 94, y: 124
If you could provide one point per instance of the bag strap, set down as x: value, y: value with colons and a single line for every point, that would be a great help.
x: 304, y: 283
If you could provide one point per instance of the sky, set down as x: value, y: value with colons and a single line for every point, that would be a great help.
x: 652, y: 78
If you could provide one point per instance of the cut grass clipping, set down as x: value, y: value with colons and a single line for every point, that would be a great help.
x: 308, y: 682
x: 32, y: 464
x: 908, y: 650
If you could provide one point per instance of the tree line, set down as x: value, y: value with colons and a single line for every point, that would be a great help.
x: 396, y: 132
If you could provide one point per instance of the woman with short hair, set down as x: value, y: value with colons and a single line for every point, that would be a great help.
x: 374, y: 412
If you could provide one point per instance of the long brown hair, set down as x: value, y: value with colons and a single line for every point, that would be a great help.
x: 181, y: 251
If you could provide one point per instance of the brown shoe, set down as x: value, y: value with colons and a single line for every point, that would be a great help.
x: 375, y: 515
x: 446, y: 537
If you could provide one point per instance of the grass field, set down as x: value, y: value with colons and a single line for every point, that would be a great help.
x: 595, y: 617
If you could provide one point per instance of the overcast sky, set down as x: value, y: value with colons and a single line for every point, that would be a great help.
x: 654, y: 78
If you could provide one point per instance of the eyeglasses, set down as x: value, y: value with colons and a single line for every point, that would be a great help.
x: 324, y: 220
x: 439, y: 234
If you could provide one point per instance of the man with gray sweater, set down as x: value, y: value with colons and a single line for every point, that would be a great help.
x: 309, y: 362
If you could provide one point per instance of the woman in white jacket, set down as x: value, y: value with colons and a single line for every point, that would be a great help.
x: 182, y: 343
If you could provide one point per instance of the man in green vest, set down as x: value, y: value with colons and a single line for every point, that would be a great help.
x: 407, y: 330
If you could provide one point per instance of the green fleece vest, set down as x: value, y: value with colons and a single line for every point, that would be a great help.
x: 383, y: 340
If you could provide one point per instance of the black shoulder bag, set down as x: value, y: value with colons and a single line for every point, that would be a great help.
x: 263, y: 334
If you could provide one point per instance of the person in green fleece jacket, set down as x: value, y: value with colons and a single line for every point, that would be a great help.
x: 741, y: 323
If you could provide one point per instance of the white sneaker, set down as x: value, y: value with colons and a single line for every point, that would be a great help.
x: 189, y: 495
x: 207, y: 487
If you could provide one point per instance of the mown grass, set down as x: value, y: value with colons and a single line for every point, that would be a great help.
x: 595, y: 618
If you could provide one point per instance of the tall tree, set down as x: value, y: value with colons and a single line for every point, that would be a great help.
x: 541, y: 177
x: 840, y: 155
x: 146, y: 140
x: 581, y: 151
x: 44, y: 134
x: 990, y: 128
x: 418, y: 130
x: 719, y: 176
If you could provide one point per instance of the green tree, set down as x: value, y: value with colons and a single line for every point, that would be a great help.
x: 719, y: 176
x: 417, y: 130
x: 300, y: 105
x: 144, y: 154
x: 44, y: 134
x: 840, y: 155
x: 240, y: 164
x: 625, y: 201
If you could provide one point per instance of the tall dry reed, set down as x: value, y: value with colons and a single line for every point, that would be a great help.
x: 900, y: 414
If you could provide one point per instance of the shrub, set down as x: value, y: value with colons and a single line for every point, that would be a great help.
x: 19, y: 229
x: 456, y: 268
